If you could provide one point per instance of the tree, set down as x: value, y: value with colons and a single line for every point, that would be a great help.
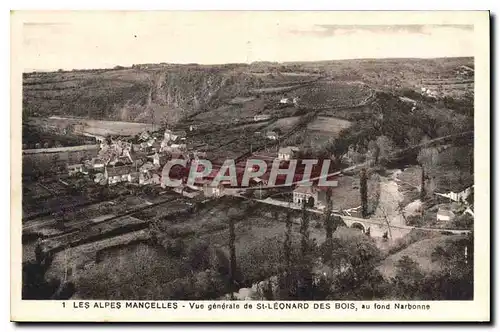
x: 328, y: 222
x: 328, y: 214
x: 304, y: 231
x: 408, y: 281
x: 36, y: 286
x: 198, y: 255
x: 305, y: 289
x: 232, y: 216
x: 363, y: 188
x: 374, y: 150
x: 427, y: 159
x: 422, y: 184
x: 287, y: 246
x: 288, y: 280
x: 353, y: 259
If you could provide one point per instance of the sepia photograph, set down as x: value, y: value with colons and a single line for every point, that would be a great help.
x: 250, y: 156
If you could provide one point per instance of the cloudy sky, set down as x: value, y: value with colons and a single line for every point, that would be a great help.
x: 101, y: 40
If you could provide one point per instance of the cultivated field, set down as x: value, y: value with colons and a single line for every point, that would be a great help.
x: 327, y: 124
x: 333, y: 94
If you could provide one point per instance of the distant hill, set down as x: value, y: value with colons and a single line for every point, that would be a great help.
x: 169, y: 92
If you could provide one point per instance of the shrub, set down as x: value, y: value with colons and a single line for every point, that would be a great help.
x: 198, y: 255
x: 175, y: 248
x: 180, y: 232
x: 465, y: 221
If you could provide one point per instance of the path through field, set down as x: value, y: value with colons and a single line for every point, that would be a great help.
x: 390, y: 198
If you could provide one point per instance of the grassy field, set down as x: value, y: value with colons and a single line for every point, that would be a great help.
x: 283, y: 124
x: 96, y: 127
x: 329, y: 125
x: 421, y: 252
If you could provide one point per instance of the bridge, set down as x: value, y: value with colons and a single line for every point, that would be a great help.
x: 376, y: 227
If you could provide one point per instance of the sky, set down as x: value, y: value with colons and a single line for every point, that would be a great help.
x: 52, y: 41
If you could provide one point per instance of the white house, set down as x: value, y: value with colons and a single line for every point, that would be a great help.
x: 284, y: 101
x: 272, y: 135
x: 287, y: 153
x: 213, y: 191
x: 457, y: 197
x: 444, y: 215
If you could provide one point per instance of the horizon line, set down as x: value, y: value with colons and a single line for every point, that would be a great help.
x: 30, y: 71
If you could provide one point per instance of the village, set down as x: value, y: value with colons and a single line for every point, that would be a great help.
x: 105, y: 197
x: 141, y: 163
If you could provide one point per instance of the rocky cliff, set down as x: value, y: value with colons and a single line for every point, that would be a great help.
x: 133, y: 94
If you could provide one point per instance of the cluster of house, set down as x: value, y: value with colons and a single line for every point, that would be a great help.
x: 140, y: 162
x: 445, y: 212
